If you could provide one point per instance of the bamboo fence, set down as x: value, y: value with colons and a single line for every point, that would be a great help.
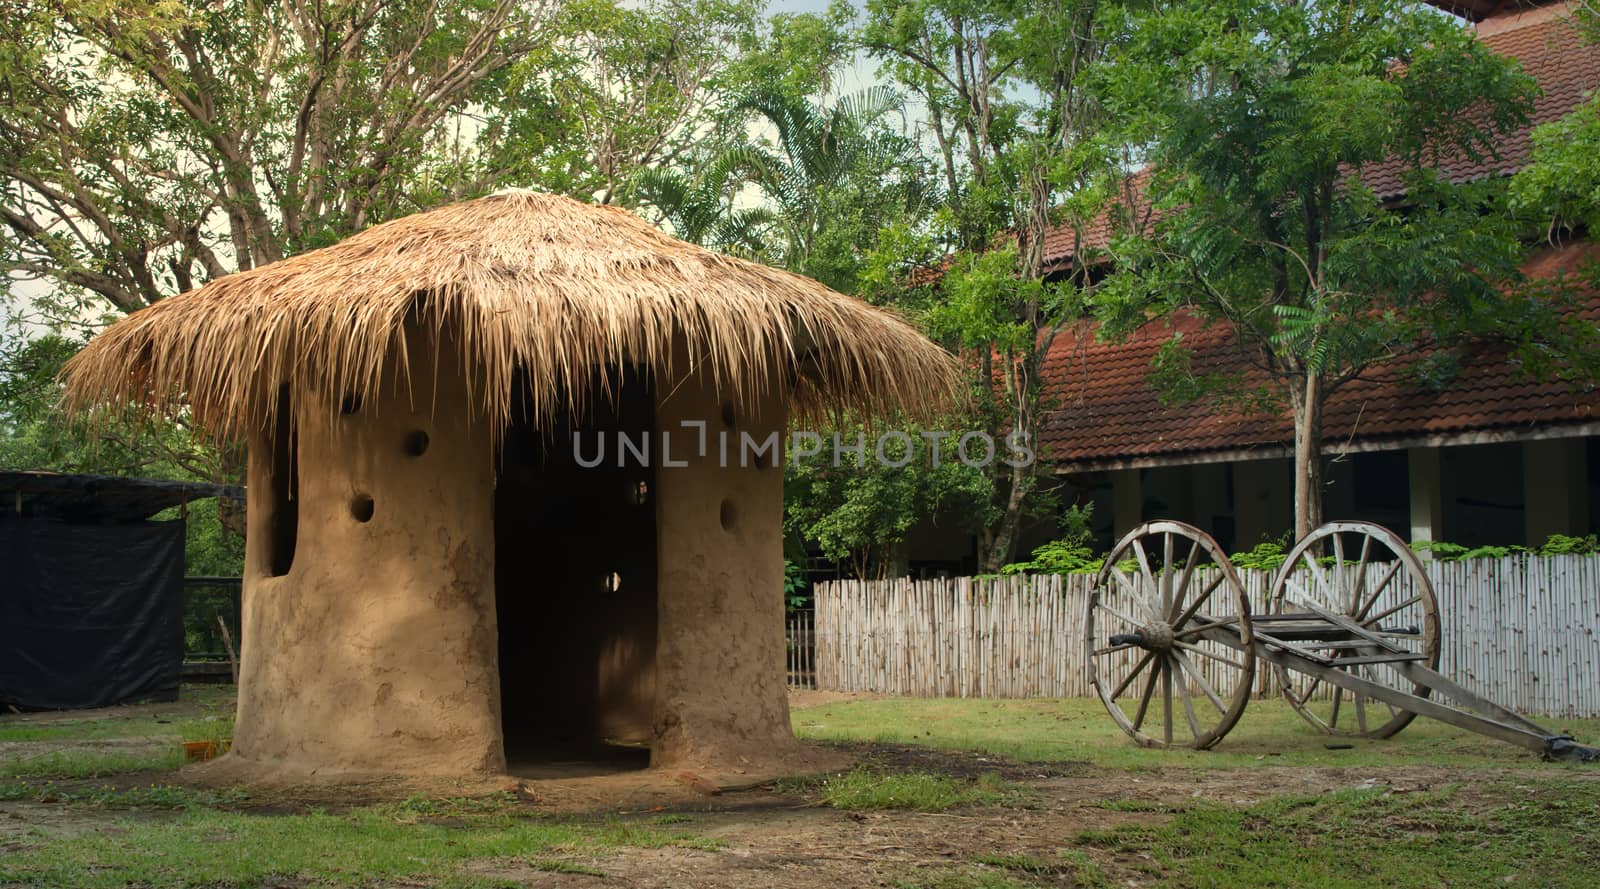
x: 1519, y: 630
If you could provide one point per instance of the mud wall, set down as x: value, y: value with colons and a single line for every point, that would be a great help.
x: 721, y: 700
x: 375, y: 650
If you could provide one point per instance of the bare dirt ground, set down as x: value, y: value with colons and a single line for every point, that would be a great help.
x: 779, y: 840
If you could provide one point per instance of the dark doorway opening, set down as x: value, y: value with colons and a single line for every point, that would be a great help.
x: 575, y: 583
x: 283, y: 523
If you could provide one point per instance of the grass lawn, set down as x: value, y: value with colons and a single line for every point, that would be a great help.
x: 943, y: 800
x: 206, y: 712
x: 419, y: 842
x: 1538, y: 825
x: 1079, y: 730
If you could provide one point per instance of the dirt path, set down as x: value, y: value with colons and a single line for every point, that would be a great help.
x: 784, y: 841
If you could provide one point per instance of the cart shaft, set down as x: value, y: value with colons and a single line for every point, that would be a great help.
x: 1492, y: 721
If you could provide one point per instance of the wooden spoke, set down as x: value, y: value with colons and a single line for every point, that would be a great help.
x: 1117, y: 614
x: 1361, y: 570
x: 1166, y: 703
x: 1338, y: 572
x: 1406, y: 604
x: 1128, y: 587
x: 1307, y: 600
x: 1129, y: 692
x: 1321, y: 578
x: 1370, y: 673
x: 1150, y: 578
x: 1364, y: 603
x: 1204, y: 623
x: 1188, y: 613
x: 1200, y: 680
x: 1310, y: 690
x: 1166, y: 573
x: 1361, y: 613
x: 1188, y: 700
x: 1138, y: 667
x: 1183, y: 582
x: 1144, y: 699
x: 1203, y: 653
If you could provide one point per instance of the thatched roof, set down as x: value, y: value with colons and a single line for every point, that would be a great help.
x: 562, y: 289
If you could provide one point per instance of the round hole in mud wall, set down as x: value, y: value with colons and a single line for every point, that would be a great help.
x: 361, y: 507
x: 416, y: 443
x: 730, y: 515
x: 611, y: 582
x: 727, y: 414
x: 350, y: 404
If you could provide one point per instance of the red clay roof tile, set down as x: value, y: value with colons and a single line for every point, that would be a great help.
x: 1107, y: 412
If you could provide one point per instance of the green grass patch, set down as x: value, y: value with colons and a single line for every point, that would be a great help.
x: 1073, y: 866
x: 1028, y: 864
x: 155, y: 796
x: 1361, y: 838
x: 864, y: 789
x: 965, y: 880
x: 212, y: 703
x: 1079, y: 730
x: 413, y: 842
x: 556, y: 866
x: 82, y: 763
x: 1141, y: 805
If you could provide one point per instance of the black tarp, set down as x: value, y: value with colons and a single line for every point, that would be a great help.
x: 90, y: 614
x: 99, y: 498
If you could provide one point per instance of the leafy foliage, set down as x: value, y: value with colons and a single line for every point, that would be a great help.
x: 1012, y: 132
x: 1560, y: 186
x: 794, y: 585
x: 1268, y: 555
x: 1554, y: 545
x: 1069, y: 554
x: 1259, y: 121
x: 860, y: 511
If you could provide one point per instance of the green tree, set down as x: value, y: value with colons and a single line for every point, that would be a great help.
x: 1561, y: 183
x: 1259, y: 119
x: 1014, y: 131
x: 615, y: 88
x: 149, y: 147
x: 859, y: 511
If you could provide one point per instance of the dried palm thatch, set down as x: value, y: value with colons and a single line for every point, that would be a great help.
x: 562, y: 291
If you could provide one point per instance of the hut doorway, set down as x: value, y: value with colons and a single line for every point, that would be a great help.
x: 575, y: 586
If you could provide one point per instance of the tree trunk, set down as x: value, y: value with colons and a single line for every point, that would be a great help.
x: 1307, y: 402
x: 1005, y: 533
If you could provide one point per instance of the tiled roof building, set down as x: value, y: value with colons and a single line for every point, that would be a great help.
x: 1493, y: 457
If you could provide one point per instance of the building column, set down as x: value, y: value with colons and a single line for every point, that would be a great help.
x: 1127, y: 501
x: 1555, y: 488
x: 1427, y: 510
x: 1252, y: 521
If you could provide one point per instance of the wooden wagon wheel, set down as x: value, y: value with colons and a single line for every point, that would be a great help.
x: 1366, y: 573
x: 1162, y: 588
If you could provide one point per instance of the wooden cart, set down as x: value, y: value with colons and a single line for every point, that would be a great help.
x: 1351, y: 633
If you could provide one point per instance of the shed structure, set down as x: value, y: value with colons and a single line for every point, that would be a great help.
x: 490, y: 509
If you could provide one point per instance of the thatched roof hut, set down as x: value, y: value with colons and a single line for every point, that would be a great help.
x: 435, y: 578
x: 538, y: 282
